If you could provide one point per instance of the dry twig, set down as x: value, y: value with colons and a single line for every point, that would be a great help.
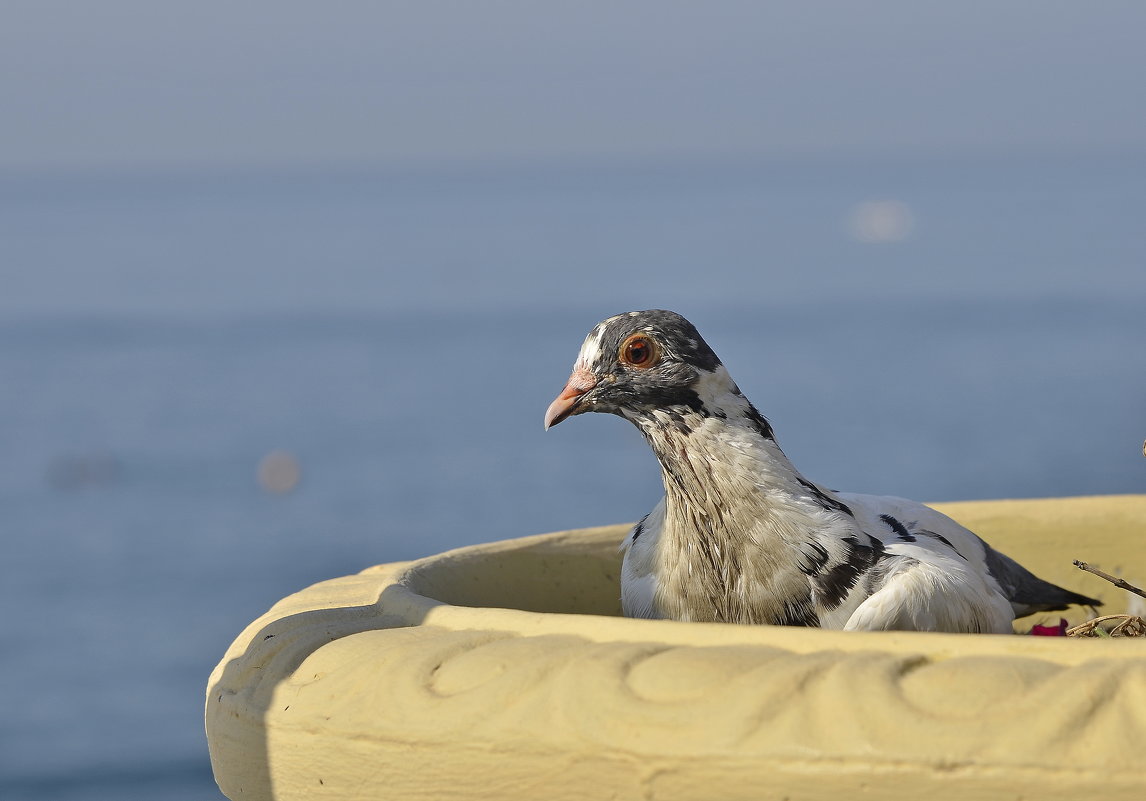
x: 1127, y: 626
x: 1117, y: 582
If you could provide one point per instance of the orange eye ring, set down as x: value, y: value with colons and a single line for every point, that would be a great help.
x: 639, y: 350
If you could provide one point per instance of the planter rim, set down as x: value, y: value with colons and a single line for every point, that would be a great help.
x: 376, y: 670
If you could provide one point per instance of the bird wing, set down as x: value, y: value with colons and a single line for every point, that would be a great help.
x: 894, y: 520
x: 917, y: 531
x: 940, y: 594
x: 934, y: 575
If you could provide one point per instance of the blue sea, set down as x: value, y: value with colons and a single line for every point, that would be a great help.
x: 400, y: 333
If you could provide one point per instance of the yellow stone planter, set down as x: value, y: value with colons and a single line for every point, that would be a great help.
x: 501, y: 671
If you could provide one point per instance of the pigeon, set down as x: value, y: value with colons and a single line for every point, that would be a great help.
x: 741, y: 536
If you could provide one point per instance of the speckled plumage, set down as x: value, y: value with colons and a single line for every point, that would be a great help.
x: 742, y: 537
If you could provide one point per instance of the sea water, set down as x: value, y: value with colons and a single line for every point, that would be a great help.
x: 936, y: 330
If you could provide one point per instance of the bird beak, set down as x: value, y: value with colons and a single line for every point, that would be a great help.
x: 565, y: 404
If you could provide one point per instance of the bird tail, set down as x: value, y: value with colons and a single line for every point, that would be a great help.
x: 1054, y: 599
x: 1027, y: 592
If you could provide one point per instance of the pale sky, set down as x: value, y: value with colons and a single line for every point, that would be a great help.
x: 283, y: 82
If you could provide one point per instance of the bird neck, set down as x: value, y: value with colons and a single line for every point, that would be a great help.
x: 718, y: 452
x: 741, y: 523
x: 713, y: 465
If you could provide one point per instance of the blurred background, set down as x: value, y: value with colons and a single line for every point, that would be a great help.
x: 285, y: 288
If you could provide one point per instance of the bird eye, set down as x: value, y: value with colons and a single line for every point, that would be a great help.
x: 638, y: 351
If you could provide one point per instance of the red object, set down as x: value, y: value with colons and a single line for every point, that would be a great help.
x: 1051, y: 631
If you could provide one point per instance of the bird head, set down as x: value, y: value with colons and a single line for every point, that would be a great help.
x: 637, y: 363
